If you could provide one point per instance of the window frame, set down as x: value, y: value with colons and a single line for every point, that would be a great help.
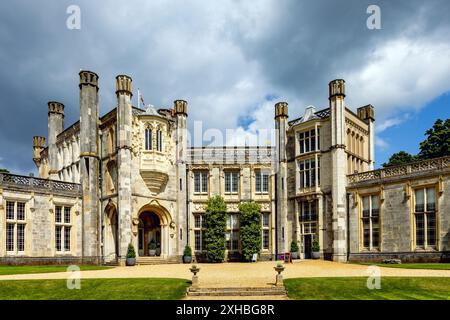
x: 265, y: 228
x: 370, y: 220
x: 233, y: 176
x: 14, y: 222
x: 232, y: 244
x: 61, y: 245
x: 200, y: 229
x: 202, y: 178
x: 426, y: 214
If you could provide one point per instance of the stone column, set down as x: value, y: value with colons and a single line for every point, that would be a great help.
x: 89, y: 165
x: 180, y: 107
x: 367, y: 114
x: 55, y: 127
x: 337, y: 108
x: 124, y: 136
x: 281, y: 126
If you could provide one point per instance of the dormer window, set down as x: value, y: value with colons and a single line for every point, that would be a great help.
x: 148, y: 138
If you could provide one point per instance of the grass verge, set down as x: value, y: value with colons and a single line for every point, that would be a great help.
x: 355, y: 288
x: 95, y: 289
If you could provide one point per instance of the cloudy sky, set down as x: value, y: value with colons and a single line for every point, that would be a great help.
x: 231, y: 60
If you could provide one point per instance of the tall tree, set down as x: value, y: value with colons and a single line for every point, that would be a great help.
x: 437, y: 143
x: 216, y: 228
x: 401, y: 157
x: 250, y: 229
x: 4, y: 170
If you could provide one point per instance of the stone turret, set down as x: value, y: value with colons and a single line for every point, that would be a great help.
x: 180, y: 109
x: 89, y: 165
x: 124, y: 127
x: 38, y: 146
x: 338, y: 156
x: 281, y: 127
x: 367, y: 114
x: 55, y: 127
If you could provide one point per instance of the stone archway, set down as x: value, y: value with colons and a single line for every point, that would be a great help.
x: 154, y: 222
x: 111, y: 234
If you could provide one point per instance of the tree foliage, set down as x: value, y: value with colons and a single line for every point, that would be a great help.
x: 216, y: 228
x: 4, y: 170
x: 401, y: 157
x: 250, y: 229
x: 437, y: 143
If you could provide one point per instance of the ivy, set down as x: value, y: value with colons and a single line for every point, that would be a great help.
x: 216, y: 228
x: 250, y: 229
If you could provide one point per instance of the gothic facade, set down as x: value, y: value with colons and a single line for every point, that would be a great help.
x: 130, y: 177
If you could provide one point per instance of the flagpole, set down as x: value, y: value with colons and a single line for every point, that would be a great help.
x: 139, y: 99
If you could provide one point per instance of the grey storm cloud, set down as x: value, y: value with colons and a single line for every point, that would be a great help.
x: 225, y: 57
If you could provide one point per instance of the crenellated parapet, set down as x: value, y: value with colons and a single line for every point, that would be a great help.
x: 281, y: 110
x: 180, y: 107
x: 55, y: 108
x: 337, y: 88
x: 123, y: 85
x: 88, y: 78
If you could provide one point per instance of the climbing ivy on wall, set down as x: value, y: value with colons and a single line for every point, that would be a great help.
x: 250, y: 229
x: 216, y: 228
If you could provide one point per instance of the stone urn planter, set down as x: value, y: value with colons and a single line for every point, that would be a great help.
x: 294, y: 255
x: 152, y: 248
x: 315, y: 250
x: 131, y: 256
x: 130, y: 262
x: 194, y: 269
x: 279, y: 279
x: 187, y: 254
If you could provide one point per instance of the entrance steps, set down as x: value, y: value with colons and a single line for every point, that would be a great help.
x: 237, y: 291
x: 143, y: 261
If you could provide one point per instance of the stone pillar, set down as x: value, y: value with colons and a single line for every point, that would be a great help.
x: 337, y: 108
x: 367, y: 114
x: 89, y: 164
x: 180, y: 107
x: 281, y: 126
x: 55, y: 127
x: 124, y: 136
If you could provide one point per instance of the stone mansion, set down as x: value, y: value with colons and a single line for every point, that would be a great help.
x: 129, y: 176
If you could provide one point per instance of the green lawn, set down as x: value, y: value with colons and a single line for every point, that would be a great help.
x: 4, y: 270
x: 435, y: 266
x: 355, y: 288
x: 95, y: 289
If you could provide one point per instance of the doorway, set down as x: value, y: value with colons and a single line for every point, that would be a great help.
x: 149, y: 231
x: 307, y: 246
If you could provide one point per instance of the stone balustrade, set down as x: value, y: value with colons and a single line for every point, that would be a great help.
x: 230, y: 155
x: 399, y: 171
x: 13, y: 181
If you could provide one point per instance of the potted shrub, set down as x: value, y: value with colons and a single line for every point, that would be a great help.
x: 279, y: 268
x: 315, y: 249
x: 131, y: 256
x: 294, y: 249
x: 152, y: 248
x: 187, y: 255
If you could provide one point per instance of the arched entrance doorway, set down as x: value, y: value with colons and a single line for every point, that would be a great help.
x: 149, y: 232
x: 111, y: 242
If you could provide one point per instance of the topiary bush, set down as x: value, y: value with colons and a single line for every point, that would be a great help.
x: 187, y: 251
x: 130, y: 252
x: 315, y: 246
x: 152, y: 245
x: 250, y: 229
x: 294, y: 246
x: 216, y: 228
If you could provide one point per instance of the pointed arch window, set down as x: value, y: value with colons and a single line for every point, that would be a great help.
x: 148, y: 138
x: 159, y: 140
